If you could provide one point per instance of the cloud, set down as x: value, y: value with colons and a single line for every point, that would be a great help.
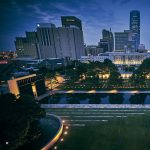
x: 95, y: 14
x: 39, y: 13
x: 63, y: 7
x: 120, y: 2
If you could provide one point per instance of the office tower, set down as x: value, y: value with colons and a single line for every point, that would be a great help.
x: 141, y: 48
x: 71, y: 41
x: 61, y: 42
x: 93, y: 50
x: 108, y: 36
x: 107, y: 41
x: 104, y: 45
x: 27, y: 46
x: 124, y: 42
x: 71, y: 21
x: 135, y: 26
x: 49, y: 42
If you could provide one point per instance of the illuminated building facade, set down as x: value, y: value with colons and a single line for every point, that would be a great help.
x: 118, y: 58
x: 33, y: 85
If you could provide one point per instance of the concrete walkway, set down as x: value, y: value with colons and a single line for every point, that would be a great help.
x: 124, y: 106
x: 90, y: 91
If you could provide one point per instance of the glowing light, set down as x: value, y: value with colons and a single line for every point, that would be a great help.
x: 55, y: 147
x: 113, y: 91
x: 65, y: 132
x: 70, y: 91
x: 67, y: 127
x: 7, y: 143
x: 61, y: 139
x: 92, y: 91
x: 63, y: 121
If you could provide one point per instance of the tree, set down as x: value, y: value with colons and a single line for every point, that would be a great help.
x: 139, y: 76
x: 109, y: 66
x: 115, y: 79
x: 16, y: 118
x: 51, y: 79
x: 73, y: 75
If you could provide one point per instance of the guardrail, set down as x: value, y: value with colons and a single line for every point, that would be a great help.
x: 56, y: 137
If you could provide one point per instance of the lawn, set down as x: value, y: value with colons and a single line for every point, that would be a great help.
x: 129, y: 133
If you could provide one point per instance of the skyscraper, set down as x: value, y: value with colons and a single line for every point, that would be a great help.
x: 107, y: 41
x: 71, y: 21
x: 71, y: 42
x: 135, y: 26
x: 27, y: 46
x: 124, y: 42
x: 61, y: 42
x: 49, y: 43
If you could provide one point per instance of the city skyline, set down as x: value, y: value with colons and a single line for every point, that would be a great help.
x: 106, y: 14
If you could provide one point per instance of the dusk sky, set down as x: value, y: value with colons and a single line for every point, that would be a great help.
x: 18, y: 16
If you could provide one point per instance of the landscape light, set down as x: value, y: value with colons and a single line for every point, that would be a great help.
x: 65, y: 132
x: 7, y: 143
x: 62, y: 140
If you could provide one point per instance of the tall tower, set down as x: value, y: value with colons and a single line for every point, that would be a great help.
x: 135, y: 26
x: 71, y: 21
x: 107, y: 41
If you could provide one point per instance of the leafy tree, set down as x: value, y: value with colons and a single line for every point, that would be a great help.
x: 73, y: 75
x: 139, y: 76
x: 115, y: 79
x: 51, y: 79
x: 16, y: 119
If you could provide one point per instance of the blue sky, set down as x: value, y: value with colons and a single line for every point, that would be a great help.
x: 18, y: 16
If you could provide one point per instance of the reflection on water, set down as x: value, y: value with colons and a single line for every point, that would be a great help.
x: 98, y: 98
x: 138, y: 98
x: 116, y: 98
